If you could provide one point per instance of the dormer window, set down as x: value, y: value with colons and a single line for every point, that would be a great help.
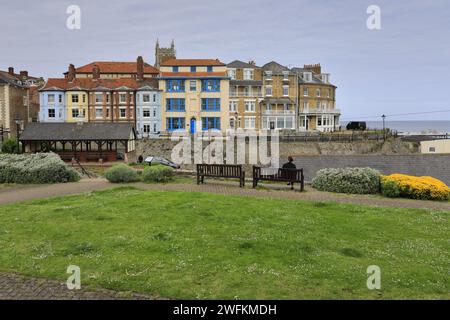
x: 174, y: 69
x: 307, y: 76
x: 285, y: 75
x: 268, y: 75
x: 325, y: 77
x: 232, y: 73
x: 248, y: 74
x: 193, y: 69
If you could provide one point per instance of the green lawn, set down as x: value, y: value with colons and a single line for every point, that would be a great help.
x: 198, y: 245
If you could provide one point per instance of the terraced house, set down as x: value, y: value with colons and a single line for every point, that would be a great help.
x: 317, y: 100
x: 195, y: 95
x: 121, y: 92
x: 246, y: 94
x: 279, y: 107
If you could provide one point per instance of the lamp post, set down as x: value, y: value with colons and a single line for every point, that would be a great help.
x: 17, y: 121
x: 384, y: 126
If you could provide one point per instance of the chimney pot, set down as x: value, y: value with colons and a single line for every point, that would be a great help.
x: 24, y: 74
x: 11, y: 71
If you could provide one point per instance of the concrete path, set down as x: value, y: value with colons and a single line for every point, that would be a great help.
x: 20, y: 193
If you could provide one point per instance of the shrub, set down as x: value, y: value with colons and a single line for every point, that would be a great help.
x: 157, y: 173
x: 35, y: 168
x: 423, y: 188
x: 10, y: 146
x: 348, y: 180
x: 121, y: 173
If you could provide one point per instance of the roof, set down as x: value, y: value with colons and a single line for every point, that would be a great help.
x: 15, y: 79
x: 275, y: 67
x: 39, y: 131
x: 315, y: 79
x: 237, y: 64
x: 245, y: 83
x: 99, y: 84
x: 192, y: 62
x: 193, y: 75
x: 115, y: 67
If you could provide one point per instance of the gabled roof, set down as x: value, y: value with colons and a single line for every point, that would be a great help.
x: 192, y: 62
x: 315, y: 79
x: 115, y: 67
x: 237, y: 64
x: 275, y: 67
x: 40, y: 131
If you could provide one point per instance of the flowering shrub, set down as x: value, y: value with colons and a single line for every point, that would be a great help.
x: 35, y: 168
x: 348, y: 180
x: 157, y: 173
x: 424, y: 188
x: 121, y: 173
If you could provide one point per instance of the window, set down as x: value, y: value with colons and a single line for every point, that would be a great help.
x: 268, y: 90
x: 307, y: 76
x: 146, y: 113
x: 319, y: 121
x: 84, y: 98
x: 175, y: 123
x: 233, y: 105
x: 60, y: 98
x: 75, y: 113
x: 211, y: 123
x: 98, y: 97
x: 175, y: 85
x: 74, y: 98
x: 209, y: 68
x: 210, y: 104
x: 154, y: 112
x: 175, y: 104
x: 98, y: 113
x: 280, y: 123
x: 51, y: 113
x: 432, y: 149
x: 285, y: 75
x: 122, y: 98
x: 305, y: 92
x: 146, y: 128
x: 146, y: 98
x: 285, y: 91
x: 175, y: 69
x: 212, y: 85
x: 51, y: 98
x: 249, y: 122
x: 250, y: 106
x: 154, y: 127
x: 289, y: 124
x: 232, y: 122
x: 248, y: 74
x: 154, y: 97
x: 193, y: 69
x: 107, y: 112
x: 268, y: 75
x: 122, y: 112
x: 318, y: 92
x: 328, y: 93
x: 305, y: 105
x: 192, y: 85
x: 232, y: 73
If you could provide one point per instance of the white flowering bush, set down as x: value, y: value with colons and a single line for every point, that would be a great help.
x: 348, y: 180
x: 35, y: 168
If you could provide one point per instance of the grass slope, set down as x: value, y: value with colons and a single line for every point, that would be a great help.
x: 198, y: 245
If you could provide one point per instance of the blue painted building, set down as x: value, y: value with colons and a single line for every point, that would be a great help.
x: 52, y: 105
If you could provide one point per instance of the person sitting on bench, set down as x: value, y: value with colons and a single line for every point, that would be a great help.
x: 290, y: 165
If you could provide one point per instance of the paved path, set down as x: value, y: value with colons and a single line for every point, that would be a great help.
x: 13, y: 286
x: 17, y: 194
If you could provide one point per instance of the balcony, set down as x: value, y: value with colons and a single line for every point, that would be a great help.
x: 246, y: 94
x: 320, y: 111
x: 279, y: 112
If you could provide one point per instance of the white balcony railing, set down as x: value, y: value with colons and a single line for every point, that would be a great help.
x: 279, y: 112
x: 322, y: 111
x: 246, y: 94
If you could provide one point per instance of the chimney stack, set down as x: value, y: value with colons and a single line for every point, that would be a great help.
x: 71, y: 73
x: 316, y: 68
x: 252, y: 62
x: 24, y: 74
x: 11, y: 71
x: 96, y: 72
x: 140, y: 68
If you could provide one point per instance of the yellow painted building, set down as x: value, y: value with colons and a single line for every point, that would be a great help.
x: 76, y: 105
x: 195, y: 95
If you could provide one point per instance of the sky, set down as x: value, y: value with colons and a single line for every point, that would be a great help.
x: 402, y: 68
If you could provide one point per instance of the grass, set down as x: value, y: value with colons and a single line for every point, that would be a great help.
x: 204, y: 246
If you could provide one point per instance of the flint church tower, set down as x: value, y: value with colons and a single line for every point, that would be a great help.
x: 164, y: 54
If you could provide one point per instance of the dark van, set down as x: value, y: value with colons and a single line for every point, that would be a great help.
x: 356, y: 125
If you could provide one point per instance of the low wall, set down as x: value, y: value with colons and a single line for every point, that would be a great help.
x: 435, y: 165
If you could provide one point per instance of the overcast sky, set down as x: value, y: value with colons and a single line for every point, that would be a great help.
x: 404, y: 67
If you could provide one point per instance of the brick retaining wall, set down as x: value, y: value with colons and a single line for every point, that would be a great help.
x: 437, y: 166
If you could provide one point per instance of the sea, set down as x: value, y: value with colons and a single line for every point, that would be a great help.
x: 411, y: 127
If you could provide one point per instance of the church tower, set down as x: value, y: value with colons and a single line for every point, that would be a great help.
x: 164, y: 54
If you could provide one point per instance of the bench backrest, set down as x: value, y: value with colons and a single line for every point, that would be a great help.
x: 281, y: 174
x: 220, y: 170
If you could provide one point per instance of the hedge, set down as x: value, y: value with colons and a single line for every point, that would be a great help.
x: 121, y: 173
x: 348, y: 180
x: 35, y: 168
x: 157, y: 173
x: 422, y: 188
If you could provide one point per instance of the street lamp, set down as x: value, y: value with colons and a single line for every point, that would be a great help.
x: 384, y: 126
x: 17, y: 121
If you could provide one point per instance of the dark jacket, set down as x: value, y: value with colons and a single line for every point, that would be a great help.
x: 289, y: 165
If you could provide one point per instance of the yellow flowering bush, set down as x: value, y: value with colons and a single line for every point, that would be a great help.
x: 423, y: 188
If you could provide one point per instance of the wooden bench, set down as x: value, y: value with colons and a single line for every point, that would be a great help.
x: 220, y: 171
x: 282, y: 175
